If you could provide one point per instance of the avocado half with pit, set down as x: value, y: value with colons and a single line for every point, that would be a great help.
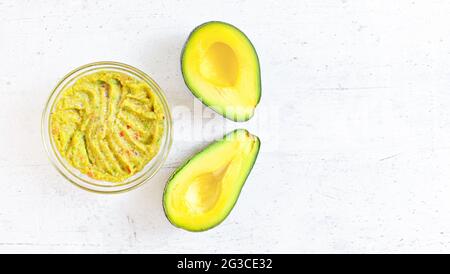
x: 203, y: 191
x: 221, y: 68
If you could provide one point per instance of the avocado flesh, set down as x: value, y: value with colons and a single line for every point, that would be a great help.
x: 202, y: 192
x: 220, y: 66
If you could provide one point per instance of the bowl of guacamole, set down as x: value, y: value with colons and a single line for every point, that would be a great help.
x: 107, y: 127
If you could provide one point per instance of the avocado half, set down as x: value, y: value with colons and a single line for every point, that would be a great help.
x: 220, y: 66
x: 202, y: 192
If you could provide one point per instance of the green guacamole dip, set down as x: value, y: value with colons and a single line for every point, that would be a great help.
x: 108, y: 125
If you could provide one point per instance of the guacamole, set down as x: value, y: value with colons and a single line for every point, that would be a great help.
x: 108, y: 125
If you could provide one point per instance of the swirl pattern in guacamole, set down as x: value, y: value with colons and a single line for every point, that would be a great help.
x: 108, y: 125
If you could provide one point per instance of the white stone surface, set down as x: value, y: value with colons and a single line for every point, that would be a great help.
x: 357, y: 159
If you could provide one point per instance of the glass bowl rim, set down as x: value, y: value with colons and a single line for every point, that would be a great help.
x: 54, y: 156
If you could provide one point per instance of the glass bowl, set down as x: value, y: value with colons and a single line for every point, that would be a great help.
x: 75, y: 176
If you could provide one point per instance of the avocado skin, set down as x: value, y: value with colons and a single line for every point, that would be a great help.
x: 258, y: 144
x: 232, y: 118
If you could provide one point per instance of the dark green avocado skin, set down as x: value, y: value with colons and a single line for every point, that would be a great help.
x: 258, y: 143
x: 198, y: 96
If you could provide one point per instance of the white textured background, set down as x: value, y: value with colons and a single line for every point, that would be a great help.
x: 361, y: 162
